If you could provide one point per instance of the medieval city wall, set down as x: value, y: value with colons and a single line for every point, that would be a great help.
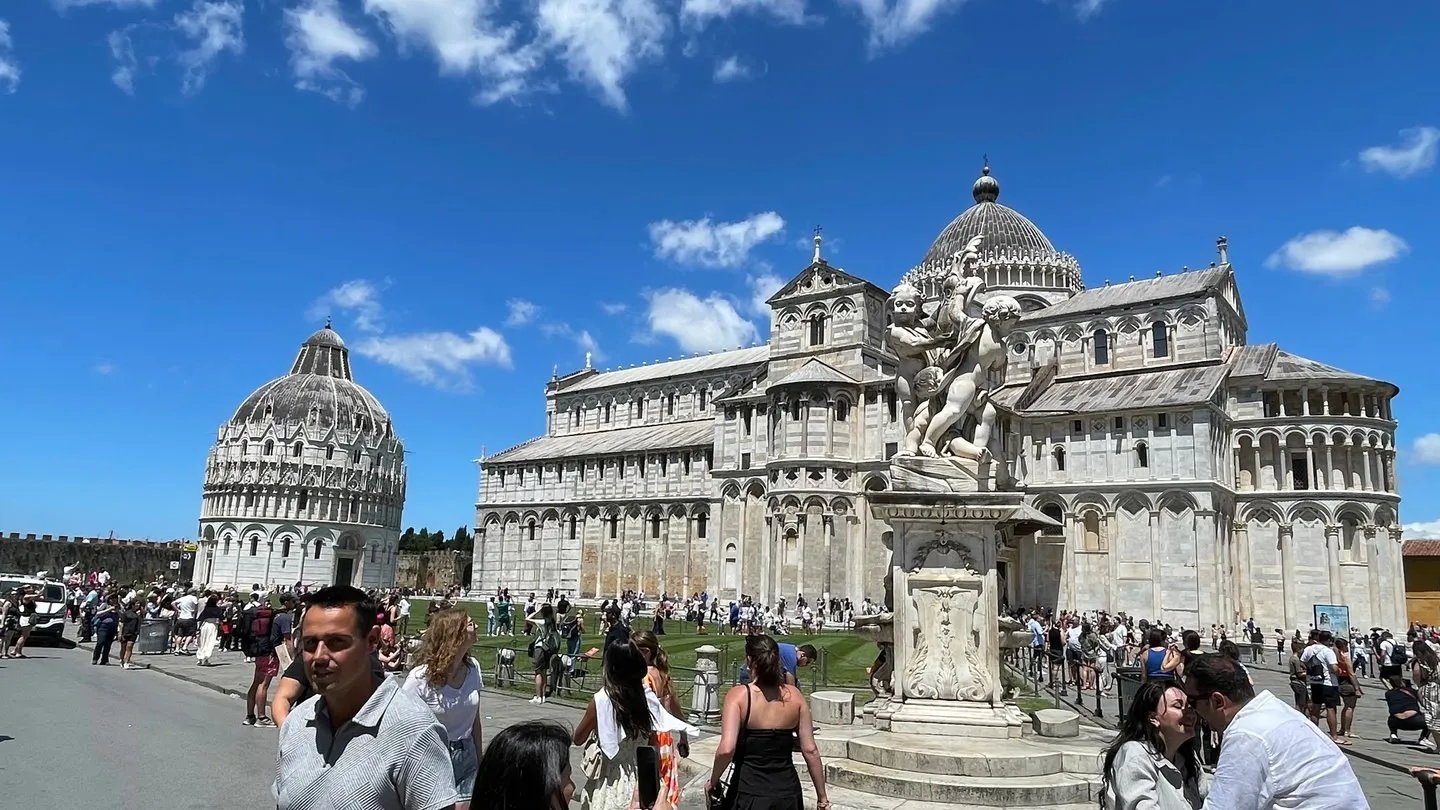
x: 126, y: 560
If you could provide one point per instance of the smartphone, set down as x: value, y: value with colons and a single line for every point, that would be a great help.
x: 647, y: 761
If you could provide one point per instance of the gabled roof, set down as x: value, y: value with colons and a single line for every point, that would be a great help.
x: 1420, y: 548
x: 1135, y: 293
x: 1252, y: 361
x: 673, y: 368
x: 690, y: 433
x: 842, y: 279
x: 816, y: 372
x: 1161, y: 388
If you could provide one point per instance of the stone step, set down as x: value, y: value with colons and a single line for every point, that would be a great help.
x: 846, y: 799
x: 956, y: 757
x: 987, y: 791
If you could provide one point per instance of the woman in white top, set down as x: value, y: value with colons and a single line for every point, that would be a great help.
x: 448, y: 680
x: 1154, y: 762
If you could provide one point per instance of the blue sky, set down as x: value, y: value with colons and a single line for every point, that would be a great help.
x: 480, y: 191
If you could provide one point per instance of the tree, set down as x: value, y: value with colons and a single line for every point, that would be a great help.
x: 407, y: 540
x: 462, y: 541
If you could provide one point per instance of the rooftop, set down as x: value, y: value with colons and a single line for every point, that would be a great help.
x: 700, y: 364
x: 1133, y: 293
x: 622, y: 441
x: 1160, y: 388
x: 1420, y: 548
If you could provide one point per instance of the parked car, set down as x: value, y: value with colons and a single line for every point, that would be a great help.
x: 49, y: 606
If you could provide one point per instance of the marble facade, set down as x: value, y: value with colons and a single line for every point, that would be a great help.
x: 1197, y: 478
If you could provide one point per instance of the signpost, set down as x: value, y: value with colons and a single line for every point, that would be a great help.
x: 1335, y: 618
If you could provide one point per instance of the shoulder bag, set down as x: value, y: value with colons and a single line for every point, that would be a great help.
x: 722, y: 793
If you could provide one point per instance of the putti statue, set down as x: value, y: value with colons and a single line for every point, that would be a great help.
x: 950, y: 364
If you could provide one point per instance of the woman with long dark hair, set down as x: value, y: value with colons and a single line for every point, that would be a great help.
x: 1154, y: 761
x: 526, y: 767
x: 544, y: 644
x: 657, y: 680
x: 621, y: 717
x: 759, y: 724
x: 1160, y: 661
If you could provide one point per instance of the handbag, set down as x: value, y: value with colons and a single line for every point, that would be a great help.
x: 722, y: 793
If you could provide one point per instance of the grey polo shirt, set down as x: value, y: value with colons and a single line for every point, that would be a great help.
x: 392, y: 756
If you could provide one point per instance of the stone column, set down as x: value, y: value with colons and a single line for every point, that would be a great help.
x: 1365, y: 456
x: 1332, y: 558
x: 1374, y: 559
x: 1282, y: 447
x: 1156, y: 599
x: 1329, y: 466
x: 1325, y: 403
x: 1240, y: 532
x: 1304, y: 400
x: 829, y: 522
x: 1255, y: 483
x: 1287, y: 573
x: 1396, y: 598
x: 829, y: 428
x: 1310, y: 462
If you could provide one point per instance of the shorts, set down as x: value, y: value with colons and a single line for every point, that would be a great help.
x: 185, y: 628
x: 1347, y: 695
x: 1301, y: 691
x: 1073, y: 656
x: 1327, y: 696
x: 465, y: 765
x: 267, y: 666
x: 129, y: 638
x: 541, y: 659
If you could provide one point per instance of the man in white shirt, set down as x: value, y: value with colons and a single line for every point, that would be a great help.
x: 1272, y: 756
x: 405, y: 614
x: 1321, y: 665
x: 186, y: 608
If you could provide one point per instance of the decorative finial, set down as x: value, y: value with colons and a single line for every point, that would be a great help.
x: 555, y: 372
x: 986, y: 188
x: 587, y: 359
x: 818, y: 231
x: 327, y: 321
x: 1223, y: 245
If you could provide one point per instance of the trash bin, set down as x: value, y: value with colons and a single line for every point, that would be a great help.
x: 1127, y: 681
x: 154, y: 638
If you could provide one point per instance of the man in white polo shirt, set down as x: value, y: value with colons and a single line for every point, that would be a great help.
x: 359, y: 743
x: 1271, y: 756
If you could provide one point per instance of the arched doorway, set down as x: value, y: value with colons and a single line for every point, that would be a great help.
x: 347, y: 557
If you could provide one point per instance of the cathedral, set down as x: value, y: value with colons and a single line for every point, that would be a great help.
x: 305, y: 482
x: 1195, y: 477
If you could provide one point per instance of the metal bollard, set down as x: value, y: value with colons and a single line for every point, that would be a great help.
x: 1427, y: 778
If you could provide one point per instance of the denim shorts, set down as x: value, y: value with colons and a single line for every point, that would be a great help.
x: 464, y: 763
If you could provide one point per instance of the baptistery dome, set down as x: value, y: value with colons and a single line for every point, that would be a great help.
x: 1015, y: 256
x: 306, y: 481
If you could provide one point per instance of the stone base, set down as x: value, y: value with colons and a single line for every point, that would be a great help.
x: 952, y: 718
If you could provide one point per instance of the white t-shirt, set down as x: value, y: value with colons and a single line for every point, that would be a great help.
x: 186, y: 606
x: 1320, y: 654
x: 454, y: 708
x: 1072, y: 639
x: 405, y: 608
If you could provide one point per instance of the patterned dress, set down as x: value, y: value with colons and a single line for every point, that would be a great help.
x: 669, y: 760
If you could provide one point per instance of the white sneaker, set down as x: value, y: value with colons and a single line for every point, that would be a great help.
x: 535, y: 699
x: 1394, y: 738
x: 1428, y: 745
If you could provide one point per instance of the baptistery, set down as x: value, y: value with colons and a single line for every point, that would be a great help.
x: 306, y: 481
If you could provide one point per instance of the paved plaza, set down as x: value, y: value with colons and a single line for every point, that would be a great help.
x: 170, y: 735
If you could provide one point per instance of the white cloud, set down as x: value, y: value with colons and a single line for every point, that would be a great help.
x: 1165, y: 180
x: 893, y: 22
x: 713, y: 244
x: 318, y: 36
x: 441, y: 359
x: 1379, y: 297
x: 1427, y: 449
x: 521, y: 312
x: 465, y: 41
x: 9, y: 67
x: 583, y: 339
x: 1332, y: 253
x: 1085, y: 9
x: 698, y: 325
x: 215, y: 27
x: 602, y: 42
x: 613, y: 309
x: 124, y: 4
x: 360, y: 299
x: 731, y: 69
x: 104, y: 368
x: 761, y: 288
x: 589, y: 345
x: 123, y: 52
x: 1428, y: 530
x: 696, y: 14
x: 1414, y: 154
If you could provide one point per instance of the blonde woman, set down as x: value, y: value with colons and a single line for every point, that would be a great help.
x: 657, y: 680
x: 448, y: 680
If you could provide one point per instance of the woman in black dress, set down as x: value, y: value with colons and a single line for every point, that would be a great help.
x: 759, y: 725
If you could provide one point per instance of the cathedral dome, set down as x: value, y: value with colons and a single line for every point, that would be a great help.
x: 319, y: 391
x: 1004, y: 229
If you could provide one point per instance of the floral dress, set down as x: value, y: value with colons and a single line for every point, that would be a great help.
x: 669, y: 761
x: 1428, y: 691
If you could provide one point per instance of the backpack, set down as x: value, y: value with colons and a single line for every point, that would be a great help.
x: 261, y: 627
x: 546, y: 640
x: 1397, y: 655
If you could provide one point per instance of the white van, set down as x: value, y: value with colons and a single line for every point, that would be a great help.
x: 49, y: 607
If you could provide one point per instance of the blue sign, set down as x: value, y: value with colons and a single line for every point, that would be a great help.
x: 1335, y: 618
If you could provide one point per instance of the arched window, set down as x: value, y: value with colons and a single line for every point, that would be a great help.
x: 606, y: 412
x: 704, y: 399
x: 244, y: 447
x: 1142, y: 454
x: 318, y: 544
x: 1161, y: 339
x: 531, y: 528
x: 572, y: 527
x: 1101, y: 339
x: 269, y: 447
x: 640, y: 407
x: 1350, y: 545
x: 303, y: 500
x: 355, y: 456
x: 226, y: 552
x: 614, y: 526
x: 330, y: 453
x: 700, y: 525
x: 732, y: 567
x: 296, y: 450
x: 654, y: 526
x: 842, y: 410
x: 1055, y: 513
x: 1059, y: 454
x: 817, y: 329
x: 285, y: 547
x: 254, y: 544
x: 1093, y: 540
